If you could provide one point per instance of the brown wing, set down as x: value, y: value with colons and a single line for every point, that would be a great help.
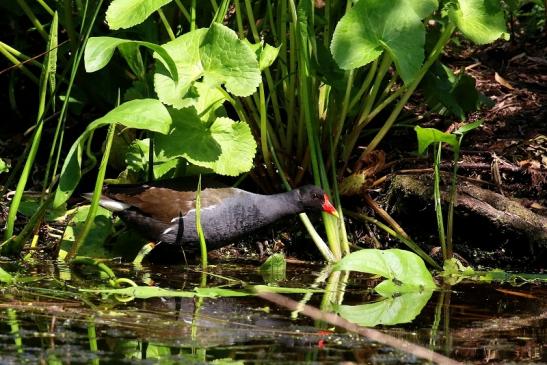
x: 165, y: 204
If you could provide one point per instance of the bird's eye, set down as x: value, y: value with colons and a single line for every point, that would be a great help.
x: 315, y: 196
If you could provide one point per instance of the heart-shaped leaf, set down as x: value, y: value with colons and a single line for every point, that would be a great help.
x: 405, y: 271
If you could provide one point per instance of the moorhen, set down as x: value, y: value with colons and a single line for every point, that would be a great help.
x: 165, y: 210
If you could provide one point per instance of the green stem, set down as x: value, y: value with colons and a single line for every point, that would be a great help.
x: 19, y: 64
x: 59, y: 129
x: 264, y: 128
x: 20, y: 55
x: 183, y: 10
x: 437, y: 198
x: 452, y: 201
x: 316, y: 238
x: 435, y: 53
x: 343, y: 114
x: 96, y: 196
x: 34, y: 20
x: 45, y: 79
x: 166, y: 25
x: 202, y: 244
x: 411, y: 244
x: 46, y: 7
x: 69, y: 25
x: 239, y: 20
x: 370, y: 100
x: 193, y: 16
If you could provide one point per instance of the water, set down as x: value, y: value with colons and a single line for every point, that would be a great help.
x: 470, y: 322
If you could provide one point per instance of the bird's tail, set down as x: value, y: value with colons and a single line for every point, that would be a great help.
x: 108, y: 203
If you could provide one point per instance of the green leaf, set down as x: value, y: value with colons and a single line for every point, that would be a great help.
x: 228, y: 60
x: 131, y: 53
x: 148, y: 114
x: 184, y: 51
x: 5, y: 277
x: 127, y: 13
x: 226, y: 147
x: 265, y: 54
x: 94, y: 243
x: 30, y: 204
x: 99, y: 51
x: 482, y: 21
x: 388, y: 311
x: 457, y: 93
x: 426, y: 136
x: 374, y: 26
x: 4, y: 166
x: 214, y: 54
x: 136, y: 159
x: 274, y: 269
x: 51, y: 58
x: 468, y: 127
x: 405, y: 271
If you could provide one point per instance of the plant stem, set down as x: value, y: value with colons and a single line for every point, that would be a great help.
x: 193, y: 16
x: 90, y: 220
x: 435, y: 53
x: 166, y: 25
x: 410, y: 244
x: 19, y: 64
x: 45, y: 79
x: 199, y: 229
x: 437, y: 198
x: 452, y: 201
x: 183, y: 10
x: 34, y: 20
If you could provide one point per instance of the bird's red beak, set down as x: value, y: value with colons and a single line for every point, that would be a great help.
x: 328, y: 207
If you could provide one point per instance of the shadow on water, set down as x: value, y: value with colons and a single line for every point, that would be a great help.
x: 48, y: 321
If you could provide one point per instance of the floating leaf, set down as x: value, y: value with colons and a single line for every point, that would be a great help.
x: 388, y: 311
x: 127, y: 13
x: 482, y: 21
x: 405, y: 271
x: 274, y: 269
x: 426, y: 136
x: 374, y: 26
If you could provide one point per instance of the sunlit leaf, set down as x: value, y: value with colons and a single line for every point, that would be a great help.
x: 468, y: 127
x: 482, y: 21
x: 148, y: 114
x: 427, y: 136
x: 5, y: 277
x: 127, y: 13
x: 4, y: 166
x: 214, y: 56
x: 405, y: 271
x: 226, y: 147
x: 374, y: 26
x: 388, y: 311
x: 99, y: 51
x: 265, y: 53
